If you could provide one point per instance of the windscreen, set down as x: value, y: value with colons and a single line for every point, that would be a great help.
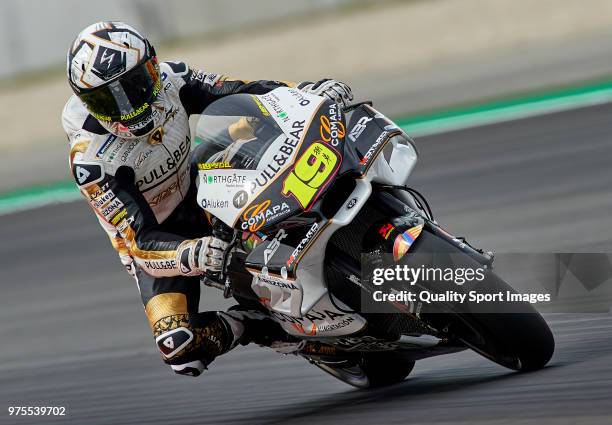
x: 238, y: 131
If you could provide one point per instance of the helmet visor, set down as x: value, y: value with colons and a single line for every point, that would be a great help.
x: 128, y: 98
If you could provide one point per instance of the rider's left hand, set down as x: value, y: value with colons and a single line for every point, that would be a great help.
x: 334, y: 90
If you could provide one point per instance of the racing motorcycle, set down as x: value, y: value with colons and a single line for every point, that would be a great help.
x: 309, y: 194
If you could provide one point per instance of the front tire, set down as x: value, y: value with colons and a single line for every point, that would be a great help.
x: 518, y: 341
x: 514, y: 336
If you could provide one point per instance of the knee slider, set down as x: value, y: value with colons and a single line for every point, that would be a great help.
x: 189, y: 343
x: 194, y: 368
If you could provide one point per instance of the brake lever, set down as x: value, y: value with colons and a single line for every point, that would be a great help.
x: 353, y: 106
x: 220, y: 280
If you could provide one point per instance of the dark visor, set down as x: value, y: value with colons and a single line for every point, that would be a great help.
x: 126, y: 98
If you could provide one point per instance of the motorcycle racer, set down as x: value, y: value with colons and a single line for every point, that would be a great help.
x: 130, y: 147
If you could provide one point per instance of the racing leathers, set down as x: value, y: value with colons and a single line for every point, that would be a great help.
x: 142, y: 193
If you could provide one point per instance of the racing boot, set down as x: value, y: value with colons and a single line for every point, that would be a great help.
x: 254, y: 326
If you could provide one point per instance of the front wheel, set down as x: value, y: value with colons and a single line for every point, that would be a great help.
x: 518, y: 341
x: 368, y: 370
x: 515, y: 336
x: 518, y: 337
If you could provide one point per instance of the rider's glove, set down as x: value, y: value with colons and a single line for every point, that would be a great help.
x: 202, y: 255
x: 335, y: 91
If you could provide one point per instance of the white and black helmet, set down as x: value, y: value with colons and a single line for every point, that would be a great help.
x: 113, y: 69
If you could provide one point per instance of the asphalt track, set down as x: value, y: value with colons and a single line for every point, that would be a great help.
x: 73, y: 334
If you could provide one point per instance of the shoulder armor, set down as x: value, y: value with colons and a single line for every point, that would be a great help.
x: 73, y: 115
x: 87, y: 173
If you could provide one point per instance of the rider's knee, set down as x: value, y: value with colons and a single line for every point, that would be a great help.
x: 189, y: 343
x: 173, y: 346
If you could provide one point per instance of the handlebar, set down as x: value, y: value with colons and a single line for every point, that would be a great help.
x: 353, y: 106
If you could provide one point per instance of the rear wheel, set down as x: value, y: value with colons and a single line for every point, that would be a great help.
x: 368, y: 370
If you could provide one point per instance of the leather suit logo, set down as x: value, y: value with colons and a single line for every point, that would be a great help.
x: 163, y: 170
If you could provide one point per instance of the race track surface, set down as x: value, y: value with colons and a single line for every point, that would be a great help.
x: 73, y: 332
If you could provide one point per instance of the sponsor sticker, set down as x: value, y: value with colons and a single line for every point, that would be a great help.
x: 403, y: 242
x: 156, y: 137
x: 359, y: 128
x: 118, y: 217
x: 102, y: 199
x: 275, y: 104
x: 284, y: 284
x: 168, y: 191
x: 370, y: 152
x: 316, y: 321
x: 229, y: 180
x: 112, y: 208
x: 351, y: 203
x: 128, y: 150
x: 299, y: 95
x: 240, y: 199
x: 123, y: 224
x: 280, y: 158
x: 213, y: 165
x: 274, y: 245
x: 386, y: 230
x: 214, y: 203
x: 256, y: 216
x: 298, y: 249
x: 260, y: 105
x: 332, y: 130
x: 163, y: 168
x: 107, y: 143
x: 141, y: 158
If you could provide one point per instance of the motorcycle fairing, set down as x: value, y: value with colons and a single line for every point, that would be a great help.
x: 259, y: 137
x: 281, y: 251
x: 308, y: 269
x: 287, y: 266
x: 369, y: 132
x: 299, y: 186
x: 283, y: 298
